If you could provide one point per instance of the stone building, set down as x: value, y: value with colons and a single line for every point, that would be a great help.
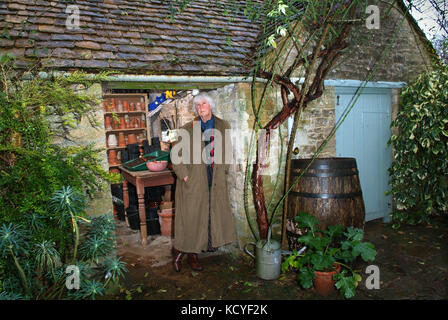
x: 207, y: 48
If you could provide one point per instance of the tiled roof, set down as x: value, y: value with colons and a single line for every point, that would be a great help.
x: 139, y: 36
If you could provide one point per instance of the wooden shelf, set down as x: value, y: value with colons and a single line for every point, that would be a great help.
x: 144, y: 125
x: 124, y: 112
x: 129, y: 129
x: 115, y: 148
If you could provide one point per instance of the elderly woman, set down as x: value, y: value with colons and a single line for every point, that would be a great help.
x: 203, y: 219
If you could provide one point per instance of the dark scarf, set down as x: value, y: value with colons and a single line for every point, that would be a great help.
x: 210, y: 124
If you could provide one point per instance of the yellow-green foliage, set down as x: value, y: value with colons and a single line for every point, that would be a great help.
x: 420, y: 167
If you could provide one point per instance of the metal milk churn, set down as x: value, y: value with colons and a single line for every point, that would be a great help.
x: 267, y: 257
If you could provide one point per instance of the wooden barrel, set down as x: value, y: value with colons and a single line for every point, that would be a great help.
x: 329, y: 190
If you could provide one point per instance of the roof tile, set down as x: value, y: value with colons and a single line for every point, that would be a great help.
x: 91, y: 64
x: 88, y: 45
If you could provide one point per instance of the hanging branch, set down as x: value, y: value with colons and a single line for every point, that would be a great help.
x: 311, y: 89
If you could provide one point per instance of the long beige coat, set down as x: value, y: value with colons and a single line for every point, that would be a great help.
x: 192, y: 200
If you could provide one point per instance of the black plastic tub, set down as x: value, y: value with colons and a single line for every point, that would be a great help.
x: 152, y: 220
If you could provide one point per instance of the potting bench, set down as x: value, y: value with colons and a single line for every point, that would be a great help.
x: 141, y: 180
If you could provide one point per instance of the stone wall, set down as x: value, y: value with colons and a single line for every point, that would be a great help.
x: 394, y: 52
x: 405, y: 55
x: 315, y: 125
x: 233, y: 103
x: 85, y: 134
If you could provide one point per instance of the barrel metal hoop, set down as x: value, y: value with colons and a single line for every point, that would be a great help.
x: 346, y: 163
x: 327, y: 195
x: 328, y: 174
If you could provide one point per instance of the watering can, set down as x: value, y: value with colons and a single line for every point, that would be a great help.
x: 267, y: 257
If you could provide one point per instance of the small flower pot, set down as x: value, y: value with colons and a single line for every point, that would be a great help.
x: 113, y: 161
x: 121, y: 140
x: 132, y: 138
x: 122, y: 123
x: 166, y: 221
x: 107, y: 123
x: 324, y: 283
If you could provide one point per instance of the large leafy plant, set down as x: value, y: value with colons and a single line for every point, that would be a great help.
x: 37, y: 152
x: 324, y: 248
x: 418, y: 175
x: 41, y: 221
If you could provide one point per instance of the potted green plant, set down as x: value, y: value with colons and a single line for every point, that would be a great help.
x: 329, y: 253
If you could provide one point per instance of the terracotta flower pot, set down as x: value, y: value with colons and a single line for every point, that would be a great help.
x: 121, y: 140
x: 324, y: 283
x: 128, y: 122
x: 166, y: 222
x: 114, y: 170
x: 132, y: 106
x: 122, y: 123
x: 132, y: 138
x: 107, y: 123
x: 115, y: 124
x: 119, y: 106
x: 125, y: 106
x: 113, y: 158
x: 105, y: 106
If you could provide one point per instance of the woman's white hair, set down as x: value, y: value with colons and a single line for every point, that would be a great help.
x: 201, y: 97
